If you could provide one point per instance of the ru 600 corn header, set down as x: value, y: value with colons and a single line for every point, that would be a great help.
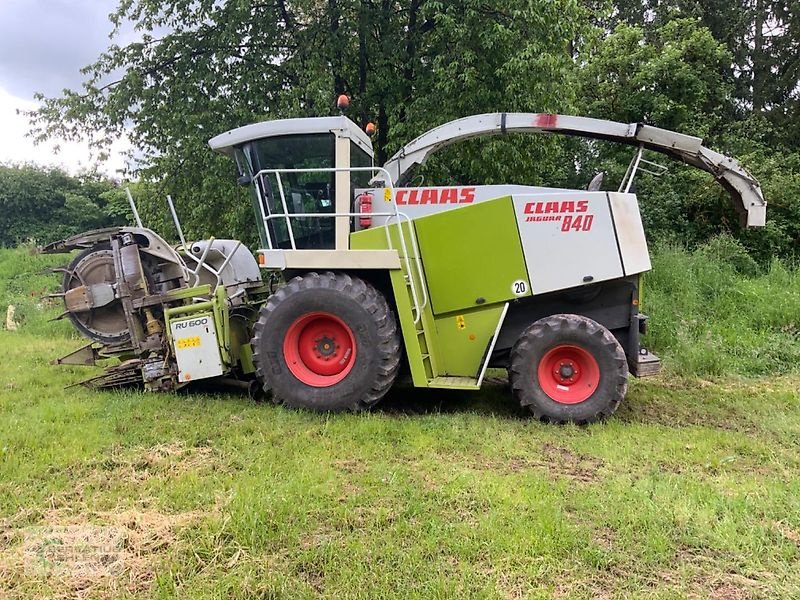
x: 367, y: 277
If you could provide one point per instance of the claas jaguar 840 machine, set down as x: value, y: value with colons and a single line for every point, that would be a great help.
x: 361, y: 276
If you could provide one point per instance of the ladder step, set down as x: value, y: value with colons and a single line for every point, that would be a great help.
x: 456, y: 383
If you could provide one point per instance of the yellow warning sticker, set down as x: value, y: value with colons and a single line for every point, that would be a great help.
x: 387, y: 195
x: 460, y: 322
x: 189, y: 342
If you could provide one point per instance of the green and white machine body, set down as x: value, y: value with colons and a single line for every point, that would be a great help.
x: 464, y: 260
x: 361, y: 276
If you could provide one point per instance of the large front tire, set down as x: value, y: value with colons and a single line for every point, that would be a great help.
x: 327, y: 342
x: 568, y: 368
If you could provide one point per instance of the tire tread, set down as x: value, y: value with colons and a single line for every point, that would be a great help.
x: 358, y: 290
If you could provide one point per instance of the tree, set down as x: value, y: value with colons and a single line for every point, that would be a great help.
x: 676, y: 75
x: 44, y: 205
x: 763, y: 39
x: 410, y: 65
x: 704, y: 67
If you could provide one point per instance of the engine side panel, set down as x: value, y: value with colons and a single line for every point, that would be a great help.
x: 568, y: 239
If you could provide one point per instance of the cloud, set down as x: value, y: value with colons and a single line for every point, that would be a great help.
x: 44, y: 43
x: 16, y: 148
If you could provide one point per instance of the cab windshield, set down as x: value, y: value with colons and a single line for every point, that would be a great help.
x: 303, y: 192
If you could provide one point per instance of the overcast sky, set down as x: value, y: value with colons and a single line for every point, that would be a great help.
x: 43, y: 45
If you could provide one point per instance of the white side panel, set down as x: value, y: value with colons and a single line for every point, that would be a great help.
x: 568, y: 239
x: 343, y: 194
x: 196, y: 349
x: 630, y: 233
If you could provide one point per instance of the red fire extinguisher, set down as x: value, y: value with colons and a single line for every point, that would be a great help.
x: 364, y: 206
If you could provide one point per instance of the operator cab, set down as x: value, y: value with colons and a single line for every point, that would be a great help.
x: 298, y: 167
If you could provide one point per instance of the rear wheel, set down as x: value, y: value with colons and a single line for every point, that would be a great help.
x: 327, y: 342
x: 568, y: 368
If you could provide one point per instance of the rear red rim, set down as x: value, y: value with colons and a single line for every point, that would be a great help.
x: 319, y: 349
x: 568, y: 374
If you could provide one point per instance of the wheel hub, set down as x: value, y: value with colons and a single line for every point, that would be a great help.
x: 319, y: 349
x: 568, y: 374
x: 567, y: 370
x: 325, y: 347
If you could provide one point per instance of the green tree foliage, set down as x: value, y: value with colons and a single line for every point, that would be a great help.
x: 672, y: 77
x: 714, y: 69
x: 407, y: 65
x: 735, y: 77
x: 44, y: 205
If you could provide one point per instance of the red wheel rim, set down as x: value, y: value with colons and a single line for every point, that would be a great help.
x: 319, y: 349
x: 568, y: 374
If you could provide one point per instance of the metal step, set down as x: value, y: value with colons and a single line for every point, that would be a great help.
x: 454, y: 383
x: 647, y: 365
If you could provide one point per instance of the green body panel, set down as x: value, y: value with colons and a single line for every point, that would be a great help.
x: 464, y: 255
x: 246, y: 359
x: 216, y: 308
x: 375, y: 238
x: 415, y: 350
x: 466, y: 335
x: 419, y: 339
x: 187, y: 293
x: 472, y: 255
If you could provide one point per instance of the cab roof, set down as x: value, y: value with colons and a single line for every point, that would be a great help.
x: 226, y: 142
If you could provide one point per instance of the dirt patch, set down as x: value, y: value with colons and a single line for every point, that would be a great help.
x: 726, y: 586
x: 102, y: 554
x: 555, y: 460
x: 709, y: 406
x: 700, y: 576
x: 790, y: 533
x: 727, y: 591
x: 73, y: 551
x: 135, y: 466
x: 566, y: 463
x: 351, y: 467
x: 670, y: 413
x: 595, y: 588
x: 561, y: 462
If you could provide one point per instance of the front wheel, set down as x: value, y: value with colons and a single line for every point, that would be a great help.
x: 327, y: 342
x: 568, y: 368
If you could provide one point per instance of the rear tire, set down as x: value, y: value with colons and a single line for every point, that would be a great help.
x: 568, y: 368
x: 326, y: 342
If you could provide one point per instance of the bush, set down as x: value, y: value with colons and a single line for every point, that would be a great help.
x: 715, y: 312
x: 25, y: 282
x: 47, y: 204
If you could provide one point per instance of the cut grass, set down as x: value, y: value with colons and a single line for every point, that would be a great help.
x: 691, y: 490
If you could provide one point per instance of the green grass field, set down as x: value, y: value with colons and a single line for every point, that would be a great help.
x: 691, y: 490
